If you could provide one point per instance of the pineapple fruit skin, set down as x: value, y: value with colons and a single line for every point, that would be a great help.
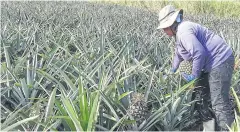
x: 138, y: 108
x: 185, y: 67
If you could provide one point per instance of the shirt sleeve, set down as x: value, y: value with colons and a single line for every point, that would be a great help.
x: 176, y: 60
x: 190, y: 42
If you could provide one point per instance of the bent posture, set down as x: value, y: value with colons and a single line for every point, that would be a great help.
x: 212, y: 60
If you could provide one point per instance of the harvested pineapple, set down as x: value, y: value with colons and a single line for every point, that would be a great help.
x: 185, y: 67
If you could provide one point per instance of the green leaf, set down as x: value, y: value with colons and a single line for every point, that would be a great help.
x: 51, y: 78
x: 25, y: 88
x: 29, y: 76
x: 11, y: 117
x: 118, y: 123
x: 94, y: 112
x: 178, y: 118
x: 67, y: 80
x: 236, y: 98
x: 108, y: 102
x: 50, y: 105
x: 19, y: 123
x: 72, y: 113
x: 124, y: 94
x: 175, y: 106
x: 182, y: 89
x: 65, y: 114
x: 17, y: 84
x: 156, y: 116
x: 101, y: 128
x: 61, y: 117
x: 153, y: 122
x: 109, y: 117
x: 149, y: 85
x: 7, y: 61
x: 83, y: 104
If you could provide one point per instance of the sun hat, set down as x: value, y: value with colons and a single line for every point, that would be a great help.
x: 167, y: 16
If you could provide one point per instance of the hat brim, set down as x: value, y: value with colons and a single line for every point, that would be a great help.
x: 168, y: 21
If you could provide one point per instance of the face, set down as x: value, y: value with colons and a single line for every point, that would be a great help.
x: 168, y: 31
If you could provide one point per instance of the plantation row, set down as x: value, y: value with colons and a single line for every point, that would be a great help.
x: 72, y: 66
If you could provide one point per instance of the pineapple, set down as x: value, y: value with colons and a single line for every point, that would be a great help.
x: 186, y: 67
x: 138, y: 108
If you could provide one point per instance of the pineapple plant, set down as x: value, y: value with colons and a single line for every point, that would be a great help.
x: 138, y: 108
x: 186, y: 67
x: 66, y: 42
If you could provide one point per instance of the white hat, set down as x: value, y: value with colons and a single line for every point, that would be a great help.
x: 167, y: 16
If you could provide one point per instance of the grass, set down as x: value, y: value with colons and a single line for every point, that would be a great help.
x: 215, y: 7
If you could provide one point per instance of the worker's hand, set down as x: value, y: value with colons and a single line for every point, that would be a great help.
x: 187, y: 77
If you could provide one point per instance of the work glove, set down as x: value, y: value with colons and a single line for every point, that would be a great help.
x: 173, y: 70
x: 187, y: 77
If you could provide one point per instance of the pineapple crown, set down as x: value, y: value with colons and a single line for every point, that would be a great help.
x: 137, y: 97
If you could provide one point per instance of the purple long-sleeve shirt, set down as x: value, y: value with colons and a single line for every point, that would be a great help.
x: 197, y: 43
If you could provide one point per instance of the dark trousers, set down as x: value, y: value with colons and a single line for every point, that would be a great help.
x: 212, y: 91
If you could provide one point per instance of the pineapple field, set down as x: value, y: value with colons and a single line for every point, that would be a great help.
x: 86, y: 66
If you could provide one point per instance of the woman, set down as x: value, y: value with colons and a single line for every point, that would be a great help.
x: 210, y: 55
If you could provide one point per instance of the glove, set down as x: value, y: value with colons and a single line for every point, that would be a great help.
x: 173, y: 70
x: 187, y: 77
